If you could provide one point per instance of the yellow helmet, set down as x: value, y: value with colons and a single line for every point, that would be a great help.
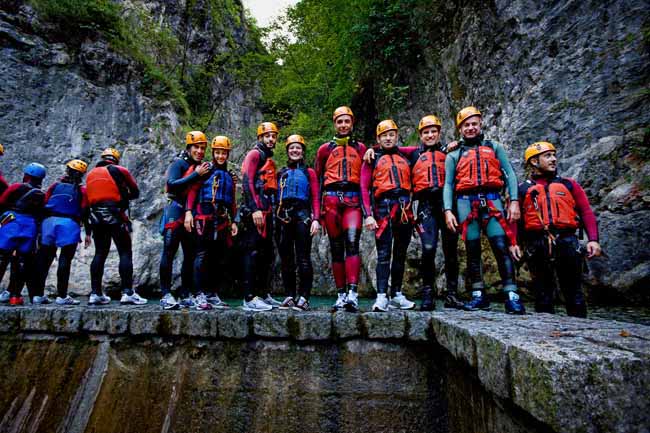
x: 295, y: 138
x: 111, y: 153
x: 341, y: 111
x: 77, y: 165
x: 465, y: 114
x: 265, y: 127
x: 429, y: 120
x: 221, y: 142
x: 386, y: 125
x: 537, y: 149
x: 195, y: 137
x: 2, y: 149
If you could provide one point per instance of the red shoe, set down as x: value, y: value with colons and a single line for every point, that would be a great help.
x: 16, y: 300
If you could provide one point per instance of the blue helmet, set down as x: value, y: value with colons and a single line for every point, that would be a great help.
x: 34, y: 169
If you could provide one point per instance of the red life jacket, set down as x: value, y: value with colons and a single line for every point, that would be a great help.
x: 267, y: 176
x: 429, y: 171
x: 549, y: 206
x: 101, y: 187
x: 343, y: 164
x: 478, y: 167
x: 392, y: 172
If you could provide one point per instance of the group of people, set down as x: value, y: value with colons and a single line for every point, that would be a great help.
x: 442, y: 191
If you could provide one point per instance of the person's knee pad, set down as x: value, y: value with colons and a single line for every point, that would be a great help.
x: 352, y: 236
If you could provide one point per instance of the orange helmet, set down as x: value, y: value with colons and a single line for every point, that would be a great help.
x: 386, y: 125
x: 78, y: 165
x: 221, y: 142
x: 341, y: 111
x: 465, y: 114
x: 111, y: 153
x: 295, y: 138
x: 537, y: 149
x: 2, y: 149
x: 265, y: 127
x: 194, y: 137
x: 429, y: 120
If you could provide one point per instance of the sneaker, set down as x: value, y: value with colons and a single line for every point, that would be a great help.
x: 216, y: 302
x: 272, y: 302
x: 381, y: 304
x: 98, y: 299
x: 133, y: 299
x: 187, y: 302
x: 513, y: 304
x: 451, y: 301
x: 428, y: 303
x: 169, y: 303
x: 256, y: 304
x: 340, y: 302
x: 399, y: 302
x: 478, y: 302
x: 287, y: 303
x: 68, y: 300
x: 41, y: 300
x: 4, y: 296
x: 16, y: 300
x: 201, y: 302
x: 351, y: 302
x: 302, y: 305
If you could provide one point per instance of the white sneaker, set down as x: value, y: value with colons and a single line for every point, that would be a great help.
x: 352, y: 302
x: 133, y: 299
x: 216, y: 301
x: 340, y: 302
x: 272, y: 302
x: 287, y: 304
x: 201, y: 302
x: 256, y: 304
x: 98, y: 299
x: 4, y: 296
x: 168, y: 302
x: 68, y: 300
x: 381, y: 304
x: 399, y: 302
x: 41, y: 300
x: 301, y: 305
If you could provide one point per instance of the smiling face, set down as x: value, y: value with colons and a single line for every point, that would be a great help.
x: 388, y: 139
x: 343, y: 125
x: 269, y: 139
x: 430, y: 136
x: 471, y: 127
x: 295, y: 152
x: 197, y: 151
x: 220, y: 156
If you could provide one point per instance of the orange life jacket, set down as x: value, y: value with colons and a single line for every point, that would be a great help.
x: 101, y: 187
x: 392, y: 172
x: 549, y: 206
x: 429, y: 171
x: 267, y: 176
x: 343, y: 164
x: 478, y: 167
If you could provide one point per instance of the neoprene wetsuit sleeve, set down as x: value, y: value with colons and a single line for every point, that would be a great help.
x: 450, y: 175
x: 134, y: 191
x: 315, y: 193
x: 176, y: 183
x: 584, y: 210
x: 3, y: 184
x: 249, y: 170
x: 191, y: 196
x: 7, y: 198
x: 366, y: 179
x: 48, y: 194
x: 511, y: 177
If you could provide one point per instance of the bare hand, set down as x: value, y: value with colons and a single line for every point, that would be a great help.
x: 513, y: 212
x: 233, y: 229
x: 369, y: 156
x: 202, y: 169
x: 189, y: 221
x: 258, y: 219
x: 315, y: 227
x: 452, y: 146
x: 87, y: 241
x: 450, y: 220
x: 593, y: 249
x: 515, y: 252
x: 370, y: 223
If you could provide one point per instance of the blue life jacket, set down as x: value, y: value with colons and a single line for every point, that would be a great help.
x: 217, y: 189
x: 294, y: 184
x: 64, y: 201
x: 31, y: 202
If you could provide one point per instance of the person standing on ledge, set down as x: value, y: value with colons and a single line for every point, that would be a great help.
x: 4, y: 294
x: 475, y: 173
x: 553, y: 208
x: 110, y: 187
x: 259, y: 187
x: 186, y: 169
x: 338, y: 167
